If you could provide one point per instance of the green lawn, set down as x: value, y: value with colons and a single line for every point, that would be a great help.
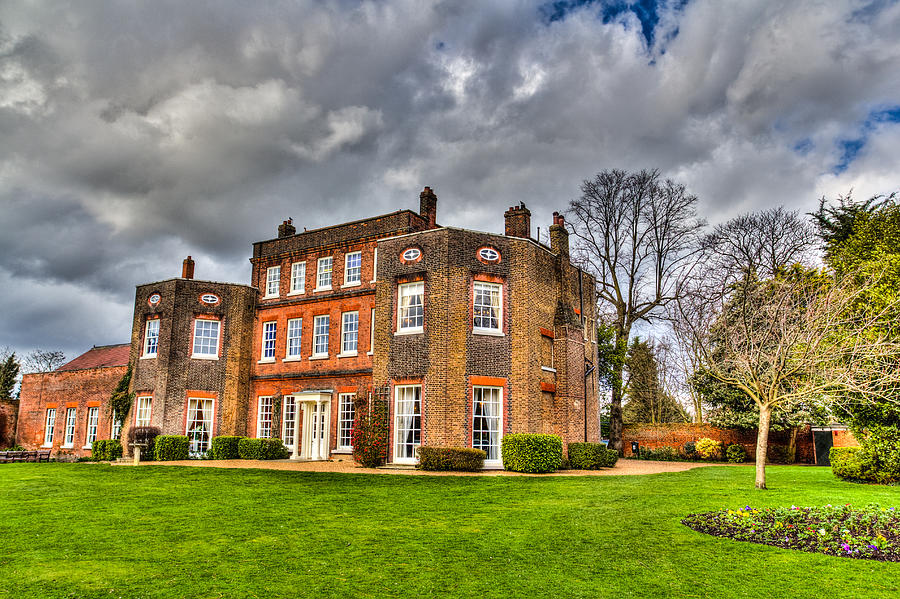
x: 86, y: 530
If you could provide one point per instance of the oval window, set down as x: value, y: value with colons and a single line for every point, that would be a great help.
x: 489, y: 254
x: 209, y: 298
x: 412, y: 254
x: 153, y: 299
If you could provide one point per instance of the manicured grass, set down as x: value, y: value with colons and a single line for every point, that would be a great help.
x: 86, y: 530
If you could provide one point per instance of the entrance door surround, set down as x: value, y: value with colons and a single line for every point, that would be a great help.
x: 312, y: 425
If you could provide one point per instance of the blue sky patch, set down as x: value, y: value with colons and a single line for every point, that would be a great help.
x: 647, y: 12
x: 850, y: 148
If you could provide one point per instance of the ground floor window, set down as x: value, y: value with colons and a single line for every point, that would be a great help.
x: 345, y: 420
x: 264, y: 418
x: 408, y: 422
x: 49, y: 426
x: 69, y: 438
x: 486, y: 428
x: 116, y: 426
x: 142, y: 412
x: 287, y: 422
x: 199, y: 425
x: 93, y: 417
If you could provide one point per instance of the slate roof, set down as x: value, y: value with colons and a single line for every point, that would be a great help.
x: 100, y: 356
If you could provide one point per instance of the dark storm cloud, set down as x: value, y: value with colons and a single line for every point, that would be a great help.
x: 134, y: 133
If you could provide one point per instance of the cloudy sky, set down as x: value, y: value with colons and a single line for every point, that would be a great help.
x: 135, y: 133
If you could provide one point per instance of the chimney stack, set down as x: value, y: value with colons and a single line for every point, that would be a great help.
x: 518, y: 221
x: 559, y: 235
x: 428, y: 207
x: 287, y: 228
x: 187, y: 268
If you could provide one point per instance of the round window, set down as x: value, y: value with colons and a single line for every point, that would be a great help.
x: 153, y: 299
x: 489, y: 254
x: 209, y: 298
x: 412, y: 254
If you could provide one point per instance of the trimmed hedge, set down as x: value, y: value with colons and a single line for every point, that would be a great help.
x: 262, y: 449
x: 224, y: 448
x: 456, y: 459
x: 591, y: 456
x: 106, y: 450
x: 168, y: 448
x: 858, y: 464
x: 532, y: 453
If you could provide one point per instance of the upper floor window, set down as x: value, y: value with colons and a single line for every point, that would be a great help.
x: 273, y: 281
x: 49, y: 426
x: 151, y: 337
x: 411, y: 307
x: 487, y: 307
x: 323, y: 274
x: 374, y: 265
x: 294, y: 328
x: 270, y: 332
x: 206, y: 338
x: 352, y: 268
x: 142, y: 411
x: 349, y: 332
x: 264, y: 418
x: 320, y: 335
x: 93, y: 417
x: 298, y: 277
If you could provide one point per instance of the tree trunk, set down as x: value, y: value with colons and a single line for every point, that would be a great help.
x: 762, y: 445
x: 615, y: 409
x: 792, y: 445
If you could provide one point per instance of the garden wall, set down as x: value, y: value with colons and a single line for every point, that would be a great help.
x: 676, y: 435
x: 9, y: 411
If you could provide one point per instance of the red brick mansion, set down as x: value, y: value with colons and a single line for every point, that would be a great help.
x: 468, y: 335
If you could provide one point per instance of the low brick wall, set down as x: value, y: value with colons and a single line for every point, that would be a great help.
x: 676, y: 435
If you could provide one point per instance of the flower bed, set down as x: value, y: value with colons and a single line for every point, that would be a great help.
x: 872, y: 532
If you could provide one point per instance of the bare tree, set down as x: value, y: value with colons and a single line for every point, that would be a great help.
x: 44, y: 361
x: 637, y: 234
x: 798, y: 337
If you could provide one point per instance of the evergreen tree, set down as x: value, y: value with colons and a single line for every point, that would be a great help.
x: 9, y: 372
x: 648, y: 400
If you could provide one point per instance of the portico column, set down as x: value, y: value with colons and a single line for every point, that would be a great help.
x: 296, y: 454
x: 318, y: 424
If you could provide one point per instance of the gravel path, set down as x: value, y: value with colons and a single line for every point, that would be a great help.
x: 623, y: 467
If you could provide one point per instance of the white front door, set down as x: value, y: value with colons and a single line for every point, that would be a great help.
x: 312, y: 425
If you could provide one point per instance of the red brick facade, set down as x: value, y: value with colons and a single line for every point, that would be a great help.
x: 9, y: 412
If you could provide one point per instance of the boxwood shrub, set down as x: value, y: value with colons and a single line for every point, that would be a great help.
x: 106, y: 450
x: 858, y: 464
x: 532, y: 453
x: 224, y: 448
x: 168, y: 448
x: 457, y: 459
x: 591, y: 456
x: 262, y: 449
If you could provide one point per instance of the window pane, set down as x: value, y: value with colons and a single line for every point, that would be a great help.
x: 264, y: 418
x: 270, y: 332
x: 142, y: 417
x: 151, y: 338
x: 408, y: 421
x: 298, y: 277
x: 350, y: 332
x: 353, y: 268
x: 93, y: 415
x: 49, y: 426
x: 206, y: 337
x: 288, y: 421
x: 487, y: 416
x: 324, y: 273
x: 69, y: 438
x: 345, y: 420
x: 486, y: 307
x: 273, y: 280
x: 295, y: 326
x: 320, y: 335
x: 411, y: 306
x: 199, y: 426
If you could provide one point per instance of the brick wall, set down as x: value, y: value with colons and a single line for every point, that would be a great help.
x: 9, y: 412
x: 676, y: 435
x: 843, y: 438
x: 79, y: 389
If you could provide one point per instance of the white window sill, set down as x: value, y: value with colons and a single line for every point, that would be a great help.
x: 548, y: 369
x: 488, y: 332
x: 69, y: 446
x: 203, y: 357
x: 267, y: 361
x: 88, y: 446
x: 348, y: 354
x: 292, y: 359
x: 343, y: 450
x: 373, y: 281
x: 370, y: 353
x: 321, y: 289
x: 48, y: 446
x: 319, y: 357
x: 409, y: 332
x: 353, y: 284
x: 270, y: 297
x: 148, y: 357
x: 301, y: 292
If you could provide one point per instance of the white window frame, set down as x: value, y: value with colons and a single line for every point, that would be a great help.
x: 346, y: 415
x: 298, y: 278
x: 196, y: 448
x: 494, y: 288
x: 69, y: 431
x: 151, y: 349
x: 356, y: 270
x: 324, y: 268
x: 269, y: 338
x: 93, y: 422
x: 317, y: 334
x: 288, y: 401
x: 49, y: 427
x: 218, y: 338
x: 497, y: 459
x: 143, y: 403
x: 116, y: 428
x: 294, y: 342
x: 264, y: 417
x: 273, y: 281
x: 374, y: 266
x: 349, y: 333
x: 410, y: 289
x: 371, y: 333
x: 398, y: 390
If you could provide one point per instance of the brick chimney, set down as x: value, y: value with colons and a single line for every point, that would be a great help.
x: 428, y: 207
x: 518, y: 221
x: 559, y: 235
x: 287, y: 228
x: 187, y: 268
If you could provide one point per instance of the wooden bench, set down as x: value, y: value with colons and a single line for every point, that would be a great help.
x: 24, y: 456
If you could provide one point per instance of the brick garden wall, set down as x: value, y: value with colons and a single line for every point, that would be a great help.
x: 676, y: 435
x: 9, y: 411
